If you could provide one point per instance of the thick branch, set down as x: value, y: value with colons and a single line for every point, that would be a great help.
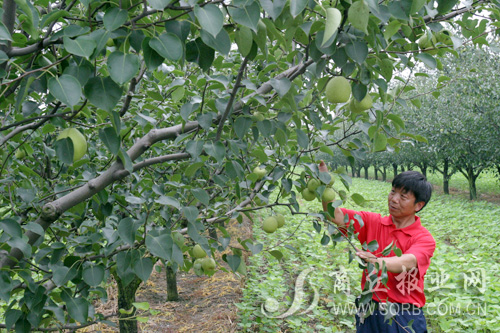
x: 20, y: 51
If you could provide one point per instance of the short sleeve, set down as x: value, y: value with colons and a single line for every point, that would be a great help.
x: 423, y: 249
x: 367, y: 219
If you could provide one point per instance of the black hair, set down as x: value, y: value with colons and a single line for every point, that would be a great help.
x: 415, y: 182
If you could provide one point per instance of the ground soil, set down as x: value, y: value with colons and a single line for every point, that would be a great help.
x: 206, y: 304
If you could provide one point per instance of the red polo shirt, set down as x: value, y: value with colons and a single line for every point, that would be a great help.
x: 406, y: 287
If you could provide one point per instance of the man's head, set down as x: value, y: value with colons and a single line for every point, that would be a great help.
x: 414, y: 183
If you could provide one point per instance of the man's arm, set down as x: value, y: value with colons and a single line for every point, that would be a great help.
x: 393, y: 264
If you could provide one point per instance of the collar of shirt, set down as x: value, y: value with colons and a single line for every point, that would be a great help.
x: 410, y: 230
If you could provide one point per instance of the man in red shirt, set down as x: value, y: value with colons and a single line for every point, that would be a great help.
x: 404, y: 293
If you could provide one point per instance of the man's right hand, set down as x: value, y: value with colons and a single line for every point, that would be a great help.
x: 323, y: 167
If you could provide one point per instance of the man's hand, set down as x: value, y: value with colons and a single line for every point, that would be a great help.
x: 323, y: 167
x: 366, y: 256
x: 393, y: 264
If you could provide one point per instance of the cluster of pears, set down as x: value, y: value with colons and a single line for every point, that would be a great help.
x: 202, y: 264
x: 430, y: 42
x: 309, y: 192
x: 271, y: 223
x: 338, y: 90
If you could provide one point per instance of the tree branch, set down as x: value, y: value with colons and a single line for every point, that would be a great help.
x: 231, y: 98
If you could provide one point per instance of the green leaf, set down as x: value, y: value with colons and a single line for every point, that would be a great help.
x: 396, y: 120
x: 62, y: 274
x: 66, y: 88
x: 54, y: 15
x: 372, y: 246
x: 386, y: 69
x: 78, y: 308
x: 11, y: 227
x: 244, y: 40
x: 247, y: 15
x: 379, y: 142
x: 4, y: 33
x: 169, y: 201
x: 221, y: 43
x: 358, y: 15
x: 103, y: 92
x: 168, y: 45
x: 93, y: 275
x: 190, y: 212
x: 201, y: 195
x: 445, y: 6
x: 125, y: 159
x: 302, y: 138
x: 216, y: 150
x: 297, y: 6
x: 210, y: 18
x: 81, y: 46
x: 391, y: 29
x: 357, y: 51
x: 282, y: 86
x: 64, y: 150
x: 333, y: 20
x: 179, y: 28
x: 358, y: 199
x: 427, y: 59
x: 277, y: 254
x: 114, y: 18
x: 160, y: 246
x: 110, y: 139
x: 11, y: 316
x: 159, y: 4
x: 3, y: 57
x: 151, y: 57
x: 233, y: 261
x: 122, y: 67
x: 126, y: 230
x: 143, y: 268
x: 273, y: 7
x: 242, y: 125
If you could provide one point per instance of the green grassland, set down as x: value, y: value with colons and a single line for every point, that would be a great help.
x: 462, y: 284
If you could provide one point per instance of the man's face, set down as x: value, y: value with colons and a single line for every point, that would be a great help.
x: 402, y: 203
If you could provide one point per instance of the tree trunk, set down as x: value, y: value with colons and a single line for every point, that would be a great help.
x: 472, y: 183
x: 376, y: 172
x: 358, y: 172
x: 423, y: 169
x: 172, y: 294
x: 384, y: 173
x: 126, y: 296
x: 395, y: 168
x: 446, y: 177
x: 353, y: 171
x: 366, y: 172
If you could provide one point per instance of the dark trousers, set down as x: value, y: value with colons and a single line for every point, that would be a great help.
x: 376, y: 323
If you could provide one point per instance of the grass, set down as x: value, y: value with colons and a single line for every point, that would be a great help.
x: 462, y: 285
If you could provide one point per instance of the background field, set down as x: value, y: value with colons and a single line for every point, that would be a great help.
x: 467, y: 238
